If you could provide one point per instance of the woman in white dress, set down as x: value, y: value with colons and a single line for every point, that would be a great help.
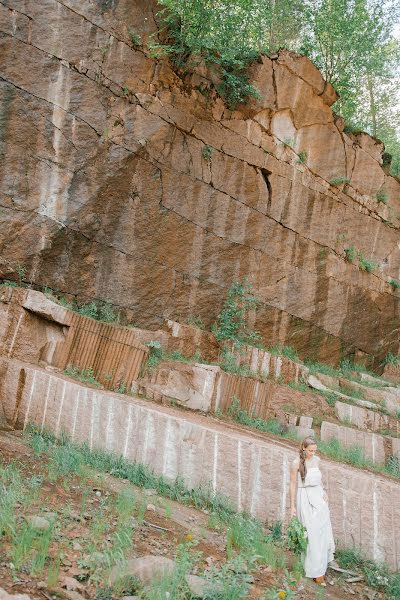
x: 311, y: 508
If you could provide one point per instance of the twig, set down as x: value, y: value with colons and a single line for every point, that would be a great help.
x: 156, y: 526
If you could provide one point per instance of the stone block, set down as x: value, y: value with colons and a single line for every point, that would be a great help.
x: 306, y: 422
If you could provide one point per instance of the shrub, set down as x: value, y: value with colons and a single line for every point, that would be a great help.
x: 134, y: 37
x: 339, y: 180
x: 351, y: 254
x: 395, y: 283
x: 382, y: 196
x: 232, y: 321
x: 392, y: 359
x: 207, y: 152
x: 366, y: 264
x: 303, y: 156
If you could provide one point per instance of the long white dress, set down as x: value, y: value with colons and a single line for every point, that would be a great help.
x: 313, y: 513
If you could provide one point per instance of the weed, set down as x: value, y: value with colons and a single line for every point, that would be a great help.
x: 303, y: 156
x: 21, y: 270
x: 7, y: 283
x: 207, y: 152
x: 125, y: 90
x: 196, y: 321
x: 339, y: 180
x: 287, y: 351
x: 121, y: 388
x: 232, y: 321
x: 241, y: 416
x: 392, y: 359
x: 135, y: 38
x: 288, y: 143
x: 300, y: 387
x: 382, y: 196
x: 366, y: 264
x: 84, y: 375
x: 231, y: 582
x: 155, y: 354
x: 276, y: 530
x: 395, y: 283
x: 393, y: 466
x: 297, y: 537
x: 351, y: 254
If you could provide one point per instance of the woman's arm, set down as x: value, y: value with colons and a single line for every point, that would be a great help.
x: 324, y: 494
x: 294, y: 468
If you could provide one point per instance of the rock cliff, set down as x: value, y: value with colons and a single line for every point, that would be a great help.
x: 121, y: 180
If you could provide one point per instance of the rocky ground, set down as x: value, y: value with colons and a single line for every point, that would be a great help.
x: 64, y: 528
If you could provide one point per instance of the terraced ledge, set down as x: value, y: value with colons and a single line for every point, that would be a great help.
x: 251, y: 469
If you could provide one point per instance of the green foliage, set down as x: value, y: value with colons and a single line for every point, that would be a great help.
x: 134, y: 37
x: 8, y: 283
x: 351, y: 254
x: 366, y: 264
x: 196, y: 321
x: 297, y: 537
x: 231, y: 323
x: 242, y: 416
x: 339, y: 180
x: 303, y: 156
x: 287, y: 351
x: 72, y: 457
x: 231, y: 582
x: 207, y: 152
x: 84, y: 375
x: 155, y: 355
x: 395, y: 283
x: 382, y: 196
x: 392, y: 359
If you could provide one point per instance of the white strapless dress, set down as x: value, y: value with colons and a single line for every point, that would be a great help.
x: 313, y: 513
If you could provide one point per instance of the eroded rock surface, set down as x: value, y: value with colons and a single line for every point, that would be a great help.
x: 108, y: 192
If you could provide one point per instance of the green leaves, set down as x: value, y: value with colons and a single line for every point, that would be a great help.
x: 232, y: 321
x: 297, y: 536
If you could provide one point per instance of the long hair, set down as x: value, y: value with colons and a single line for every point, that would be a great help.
x: 308, y: 441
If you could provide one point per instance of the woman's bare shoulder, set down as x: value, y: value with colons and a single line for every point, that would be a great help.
x: 296, y: 463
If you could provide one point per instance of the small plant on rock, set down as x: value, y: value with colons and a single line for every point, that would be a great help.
x: 395, y: 283
x: 155, y: 354
x: 302, y: 157
x: 207, y: 152
x: 134, y: 37
x: 382, y: 196
x: 339, y: 180
x: 231, y: 323
x: 366, y: 264
x: 351, y: 254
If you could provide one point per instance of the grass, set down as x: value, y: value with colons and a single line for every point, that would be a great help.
x: 366, y: 264
x: 248, y: 546
x: 241, y: 416
x: 97, y: 310
x: 395, y: 283
x: 287, y: 351
x: 351, y: 254
x: 392, y: 359
x: 300, y: 387
x: 72, y: 458
x: 302, y: 157
x: 382, y: 196
x: 376, y: 575
x: 339, y: 180
x: 83, y: 375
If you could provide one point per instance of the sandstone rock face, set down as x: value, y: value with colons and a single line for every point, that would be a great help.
x: 107, y: 191
x: 251, y: 469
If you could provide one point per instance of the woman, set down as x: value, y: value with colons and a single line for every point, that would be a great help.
x: 312, y: 510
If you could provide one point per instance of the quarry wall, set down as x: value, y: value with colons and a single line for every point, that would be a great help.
x: 121, y: 181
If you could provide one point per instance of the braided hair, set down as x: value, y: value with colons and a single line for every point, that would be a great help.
x: 308, y: 441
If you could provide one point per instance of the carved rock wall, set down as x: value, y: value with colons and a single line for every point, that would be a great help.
x: 251, y: 469
x: 107, y: 191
